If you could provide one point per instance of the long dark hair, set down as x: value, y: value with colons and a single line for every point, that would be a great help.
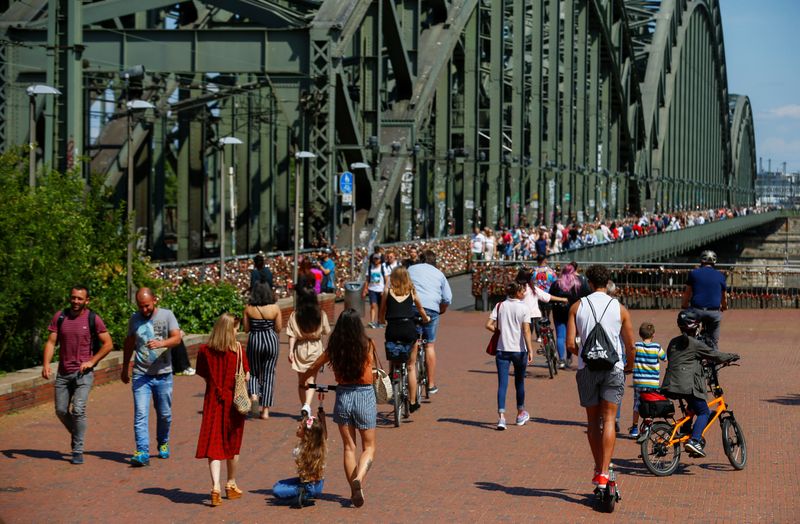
x: 348, y: 346
x: 261, y: 295
x: 308, y: 313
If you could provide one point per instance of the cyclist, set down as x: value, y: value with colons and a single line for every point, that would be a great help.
x: 684, y: 377
x: 705, y: 293
x: 568, y: 289
x: 435, y: 295
x: 397, y: 312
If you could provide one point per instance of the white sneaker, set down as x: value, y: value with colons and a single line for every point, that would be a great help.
x: 501, y: 424
x: 305, y: 411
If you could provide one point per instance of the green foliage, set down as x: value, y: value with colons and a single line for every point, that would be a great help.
x: 197, y: 306
x: 59, y: 234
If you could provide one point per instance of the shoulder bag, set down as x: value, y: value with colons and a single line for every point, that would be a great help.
x: 240, y: 397
x: 491, y: 348
x: 381, y: 382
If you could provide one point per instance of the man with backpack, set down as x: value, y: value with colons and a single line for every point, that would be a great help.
x: 83, y: 341
x: 602, y: 324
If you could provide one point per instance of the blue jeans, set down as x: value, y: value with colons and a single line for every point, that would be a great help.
x: 561, y: 340
x: 429, y: 330
x: 504, y: 359
x: 701, y: 411
x: 73, y: 388
x: 159, y: 388
x: 289, y: 488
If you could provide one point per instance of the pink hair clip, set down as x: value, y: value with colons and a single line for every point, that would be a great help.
x: 310, y: 421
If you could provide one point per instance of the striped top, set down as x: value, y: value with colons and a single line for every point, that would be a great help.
x: 645, y: 365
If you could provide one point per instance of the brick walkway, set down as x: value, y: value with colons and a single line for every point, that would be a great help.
x: 448, y: 463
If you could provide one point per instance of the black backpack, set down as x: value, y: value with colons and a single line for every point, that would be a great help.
x: 599, y: 352
x: 96, y: 343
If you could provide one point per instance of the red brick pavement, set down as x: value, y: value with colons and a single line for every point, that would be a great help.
x: 447, y: 464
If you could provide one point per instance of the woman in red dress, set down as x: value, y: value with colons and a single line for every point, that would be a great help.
x: 222, y: 426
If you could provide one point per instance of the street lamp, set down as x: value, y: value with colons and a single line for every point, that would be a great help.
x: 300, y: 155
x: 132, y: 105
x: 224, y: 141
x: 353, y: 167
x: 38, y: 89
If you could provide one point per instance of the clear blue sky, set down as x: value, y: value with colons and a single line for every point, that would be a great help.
x: 763, y: 58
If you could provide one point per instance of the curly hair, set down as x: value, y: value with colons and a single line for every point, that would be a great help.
x: 308, y: 312
x: 313, y: 451
x: 348, y: 346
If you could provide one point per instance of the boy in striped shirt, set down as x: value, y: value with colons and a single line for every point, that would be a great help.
x: 645, y: 369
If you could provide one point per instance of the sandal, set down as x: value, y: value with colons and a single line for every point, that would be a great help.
x: 232, y: 491
x: 357, y: 497
x: 216, y: 499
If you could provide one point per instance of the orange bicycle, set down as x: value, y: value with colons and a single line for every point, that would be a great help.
x: 661, y: 441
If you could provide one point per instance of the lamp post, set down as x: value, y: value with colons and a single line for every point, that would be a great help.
x: 224, y: 141
x: 32, y: 91
x: 299, y: 156
x: 353, y: 167
x: 132, y: 105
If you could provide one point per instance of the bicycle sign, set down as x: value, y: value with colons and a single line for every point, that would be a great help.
x: 346, y: 182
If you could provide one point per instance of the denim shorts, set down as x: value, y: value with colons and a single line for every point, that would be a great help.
x: 355, y: 406
x: 429, y: 330
x: 374, y: 297
x: 397, y: 351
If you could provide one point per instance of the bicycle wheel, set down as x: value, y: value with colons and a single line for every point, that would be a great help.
x: 397, y: 401
x: 659, y: 456
x: 733, y: 442
x: 422, y: 377
x: 548, y: 355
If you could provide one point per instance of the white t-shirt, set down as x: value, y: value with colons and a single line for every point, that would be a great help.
x: 611, y: 321
x: 512, y: 314
x: 477, y: 243
x: 388, y: 268
x: 377, y: 278
x: 532, y: 298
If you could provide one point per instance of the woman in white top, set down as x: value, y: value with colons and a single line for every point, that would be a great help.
x: 488, y: 244
x: 376, y: 281
x: 514, y: 346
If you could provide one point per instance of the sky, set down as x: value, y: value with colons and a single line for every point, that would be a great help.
x: 763, y: 59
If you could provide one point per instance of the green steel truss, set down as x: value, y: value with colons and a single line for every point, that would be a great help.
x: 469, y: 112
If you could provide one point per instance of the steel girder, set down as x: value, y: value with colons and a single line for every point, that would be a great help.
x: 743, y: 148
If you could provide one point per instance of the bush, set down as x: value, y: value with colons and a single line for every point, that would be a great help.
x: 197, y: 306
x: 60, y: 234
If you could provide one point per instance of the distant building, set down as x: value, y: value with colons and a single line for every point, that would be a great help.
x: 778, y: 189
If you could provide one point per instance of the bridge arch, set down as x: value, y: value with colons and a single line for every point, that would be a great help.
x: 743, y: 151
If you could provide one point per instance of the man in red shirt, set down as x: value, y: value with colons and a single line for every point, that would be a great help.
x: 71, y: 331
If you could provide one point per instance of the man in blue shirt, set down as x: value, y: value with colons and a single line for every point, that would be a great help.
x: 435, y: 295
x: 328, y: 268
x: 705, y: 294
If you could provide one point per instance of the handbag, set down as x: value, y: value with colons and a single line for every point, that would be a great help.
x: 381, y: 382
x: 240, y: 397
x: 491, y: 348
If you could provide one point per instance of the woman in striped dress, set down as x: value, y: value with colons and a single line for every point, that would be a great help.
x: 262, y: 320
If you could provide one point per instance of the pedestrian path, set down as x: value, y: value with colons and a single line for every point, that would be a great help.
x: 447, y: 464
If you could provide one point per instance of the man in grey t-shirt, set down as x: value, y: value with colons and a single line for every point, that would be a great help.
x: 152, y: 332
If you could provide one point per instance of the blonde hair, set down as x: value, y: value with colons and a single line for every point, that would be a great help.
x: 400, y: 282
x: 223, y: 334
x: 312, y: 450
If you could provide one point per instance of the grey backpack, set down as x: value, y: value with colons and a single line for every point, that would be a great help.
x: 599, y: 352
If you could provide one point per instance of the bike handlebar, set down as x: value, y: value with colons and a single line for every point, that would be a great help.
x: 321, y: 388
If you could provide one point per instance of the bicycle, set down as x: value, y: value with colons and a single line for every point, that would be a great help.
x: 661, y: 441
x: 548, y: 348
x: 399, y: 376
x: 421, y: 365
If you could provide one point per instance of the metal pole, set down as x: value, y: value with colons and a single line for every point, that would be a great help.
x: 297, y: 232
x: 129, y: 216
x: 32, y: 142
x: 221, y: 212
x: 353, y: 231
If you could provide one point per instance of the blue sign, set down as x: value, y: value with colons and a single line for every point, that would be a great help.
x: 346, y: 182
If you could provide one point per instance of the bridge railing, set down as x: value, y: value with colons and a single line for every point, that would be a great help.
x: 660, y: 286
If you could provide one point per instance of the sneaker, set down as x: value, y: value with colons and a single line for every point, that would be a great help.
x: 594, y: 477
x: 523, y: 418
x: 694, y: 446
x: 561, y: 364
x: 189, y: 372
x: 434, y: 390
x: 77, y: 458
x: 415, y: 406
x: 600, y: 480
x: 634, y: 431
x: 140, y: 458
x: 372, y: 325
x: 305, y: 410
x: 163, y: 451
x: 501, y: 424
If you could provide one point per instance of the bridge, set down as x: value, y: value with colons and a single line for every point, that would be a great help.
x: 466, y: 112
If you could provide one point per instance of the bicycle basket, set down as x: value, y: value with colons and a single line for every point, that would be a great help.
x: 655, y: 405
x: 396, y: 351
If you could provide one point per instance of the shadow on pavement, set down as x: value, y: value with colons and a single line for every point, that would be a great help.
x: 35, y: 453
x: 787, y: 400
x: 327, y: 497
x: 113, y: 456
x: 632, y: 467
x: 177, y: 495
x: 554, y: 422
x: 580, y: 499
x: 474, y: 423
x: 717, y: 466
